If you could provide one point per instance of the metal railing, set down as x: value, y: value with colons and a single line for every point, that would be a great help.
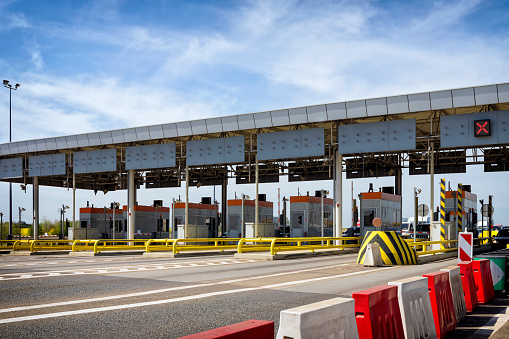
x: 275, y: 245
x: 7, y: 244
x: 109, y: 245
x: 421, y: 246
x: 241, y: 245
x: 196, y: 244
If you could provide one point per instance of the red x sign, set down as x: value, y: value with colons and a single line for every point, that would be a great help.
x: 482, y: 128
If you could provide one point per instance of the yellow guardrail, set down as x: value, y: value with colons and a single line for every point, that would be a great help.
x: 190, y: 244
x: 242, y: 245
x: 275, y: 245
x: 37, y: 245
x: 7, y: 244
x: 109, y: 245
x: 424, y: 244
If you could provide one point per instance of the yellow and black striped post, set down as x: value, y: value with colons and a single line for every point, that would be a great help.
x: 460, y: 208
x: 442, y: 212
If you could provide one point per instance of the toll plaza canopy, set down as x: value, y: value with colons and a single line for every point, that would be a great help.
x: 375, y: 137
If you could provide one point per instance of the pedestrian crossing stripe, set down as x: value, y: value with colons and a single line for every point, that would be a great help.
x: 394, y: 250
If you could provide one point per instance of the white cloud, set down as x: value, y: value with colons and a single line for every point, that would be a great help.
x: 18, y: 20
x: 56, y: 106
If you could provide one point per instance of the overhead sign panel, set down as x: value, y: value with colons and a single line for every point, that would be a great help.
x: 46, y: 165
x: 445, y: 162
x: 11, y: 168
x: 104, y: 160
x: 474, y: 129
x: 383, y: 136
x: 312, y: 170
x: 150, y: 156
x: 291, y: 144
x: 215, y: 151
x: 364, y: 167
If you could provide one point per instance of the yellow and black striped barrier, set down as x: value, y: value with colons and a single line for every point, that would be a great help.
x: 393, y: 248
x: 442, y: 212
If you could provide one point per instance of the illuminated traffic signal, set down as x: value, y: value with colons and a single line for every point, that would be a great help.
x: 482, y: 128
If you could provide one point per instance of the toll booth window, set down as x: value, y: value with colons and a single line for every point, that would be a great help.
x: 368, y: 218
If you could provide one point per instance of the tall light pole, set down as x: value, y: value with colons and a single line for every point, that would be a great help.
x: 10, y: 87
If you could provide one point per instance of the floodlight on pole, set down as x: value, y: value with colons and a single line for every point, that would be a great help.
x: 10, y: 87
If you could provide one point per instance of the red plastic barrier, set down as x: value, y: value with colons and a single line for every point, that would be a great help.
x: 255, y: 329
x: 377, y: 313
x: 467, y: 280
x: 442, y: 304
x: 483, y: 280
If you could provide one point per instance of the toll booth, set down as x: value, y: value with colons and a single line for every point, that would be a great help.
x: 99, y: 223
x: 469, y: 207
x: 150, y: 222
x: 265, y: 215
x: 305, y: 216
x: 202, y: 220
x: 386, y: 206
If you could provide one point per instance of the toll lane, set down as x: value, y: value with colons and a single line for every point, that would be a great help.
x: 171, y: 302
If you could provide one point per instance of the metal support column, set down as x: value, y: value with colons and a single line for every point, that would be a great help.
x: 256, y: 197
x: 243, y: 225
x: 186, y: 221
x: 338, y: 195
x: 398, y: 190
x: 224, y: 202
x: 432, y: 184
x: 130, y: 204
x: 36, y: 208
x: 10, y: 211
x: 73, y: 201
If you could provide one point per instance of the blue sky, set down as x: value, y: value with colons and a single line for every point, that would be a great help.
x: 88, y: 66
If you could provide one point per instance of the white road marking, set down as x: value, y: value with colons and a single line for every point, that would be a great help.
x: 114, y: 269
x: 137, y: 294
x: 191, y: 297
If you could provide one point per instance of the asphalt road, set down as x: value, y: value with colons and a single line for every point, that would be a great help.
x: 128, y: 296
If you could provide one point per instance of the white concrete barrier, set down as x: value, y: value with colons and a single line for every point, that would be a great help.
x: 373, y: 256
x: 333, y: 318
x: 458, y: 297
x: 415, y: 307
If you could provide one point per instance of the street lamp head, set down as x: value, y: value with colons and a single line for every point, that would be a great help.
x: 16, y: 86
x: 6, y: 82
x: 67, y: 207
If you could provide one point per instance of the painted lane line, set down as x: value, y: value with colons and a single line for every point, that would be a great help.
x: 137, y: 294
x: 187, y: 298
